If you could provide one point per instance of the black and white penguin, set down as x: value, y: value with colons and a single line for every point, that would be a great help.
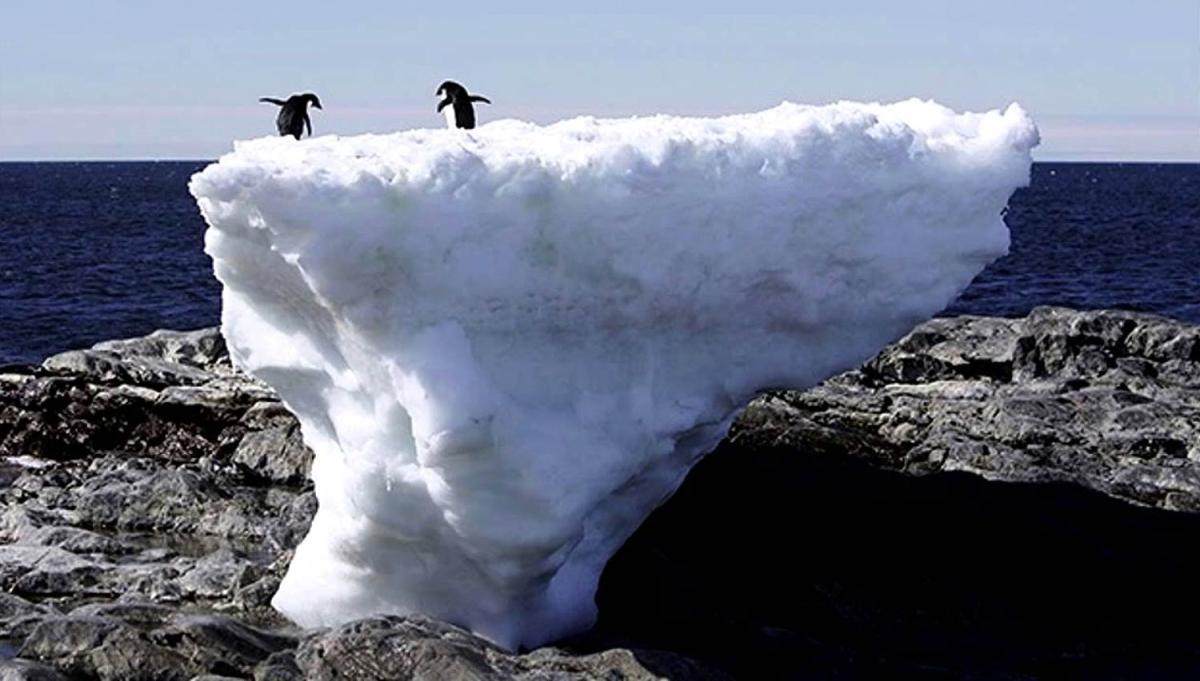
x: 457, y: 105
x: 293, y: 114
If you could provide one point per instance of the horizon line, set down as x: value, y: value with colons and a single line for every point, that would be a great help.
x: 191, y: 159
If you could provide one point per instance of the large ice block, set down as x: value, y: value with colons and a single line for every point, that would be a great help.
x: 508, y: 345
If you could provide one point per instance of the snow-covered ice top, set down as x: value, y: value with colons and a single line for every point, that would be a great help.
x: 507, y: 346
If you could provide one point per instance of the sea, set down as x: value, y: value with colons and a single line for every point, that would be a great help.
x: 96, y: 250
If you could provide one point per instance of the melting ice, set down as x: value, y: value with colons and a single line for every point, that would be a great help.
x: 507, y: 346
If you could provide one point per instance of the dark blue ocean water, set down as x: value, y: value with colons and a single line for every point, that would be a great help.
x: 91, y: 251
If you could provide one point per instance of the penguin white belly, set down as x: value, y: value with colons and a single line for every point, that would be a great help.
x: 451, y: 121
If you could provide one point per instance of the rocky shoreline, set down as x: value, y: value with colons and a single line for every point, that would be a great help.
x: 152, y: 495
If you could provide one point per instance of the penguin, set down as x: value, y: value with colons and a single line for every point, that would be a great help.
x: 460, y: 113
x: 293, y: 116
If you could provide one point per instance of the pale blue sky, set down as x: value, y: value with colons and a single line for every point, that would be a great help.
x: 1105, y: 80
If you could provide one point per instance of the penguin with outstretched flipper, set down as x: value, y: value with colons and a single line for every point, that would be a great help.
x: 293, y: 114
x: 457, y: 105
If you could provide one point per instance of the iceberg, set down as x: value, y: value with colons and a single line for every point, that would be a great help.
x: 507, y: 346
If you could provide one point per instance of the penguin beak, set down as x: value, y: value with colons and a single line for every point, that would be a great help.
x: 318, y: 105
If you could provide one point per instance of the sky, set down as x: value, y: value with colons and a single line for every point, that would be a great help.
x: 1105, y: 81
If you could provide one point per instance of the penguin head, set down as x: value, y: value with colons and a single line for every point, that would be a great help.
x: 451, y: 89
x: 312, y: 99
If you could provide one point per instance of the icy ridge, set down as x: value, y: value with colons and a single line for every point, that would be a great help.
x: 507, y: 346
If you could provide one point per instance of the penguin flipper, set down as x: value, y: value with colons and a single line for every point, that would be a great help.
x: 478, y: 98
x: 442, y: 104
x: 307, y: 124
x: 271, y: 100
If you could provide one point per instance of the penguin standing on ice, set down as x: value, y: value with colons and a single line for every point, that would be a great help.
x: 457, y: 105
x: 293, y: 114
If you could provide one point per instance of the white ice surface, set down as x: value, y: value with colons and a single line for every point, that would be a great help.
x: 507, y: 346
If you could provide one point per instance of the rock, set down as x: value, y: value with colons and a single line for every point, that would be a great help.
x: 14, y: 606
x: 293, y: 520
x: 45, y: 570
x: 75, y: 540
x: 959, y: 507
x: 158, y: 581
x: 982, y: 496
x: 276, y: 454
x: 145, y: 641
x: 24, y: 670
x: 173, y: 394
x: 219, y: 575
x: 268, y: 414
x: 111, y: 368
x: 137, y: 496
x: 203, y: 348
x: 164, y: 358
x: 19, y: 616
x: 103, y: 648
x: 381, y: 648
x: 222, y: 645
x: 143, y: 614
x: 551, y: 663
x: 106, y: 647
x: 20, y: 521
x: 279, y: 666
x: 1060, y: 396
x: 257, y: 594
x: 391, y: 647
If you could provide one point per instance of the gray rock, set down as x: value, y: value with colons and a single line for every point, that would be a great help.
x: 417, y: 647
x: 13, y: 606
x: 280, y: 666
x: 159, y: 582
x: 135, y: 498
x: 75, y: 540
x: 384, y: 648
x: 18, y: 616
x: 25, y: 670
x: 222, y: 645
x: 257, y: 594
x: 143, y: 614
x: 203, y: 348
x: 137, y: 495
x: 219, y: 575
x: 1060, y: 396
x: 180, y: 485
x: 268, y: 414
x: 104, y: 366
x: 551, y: 664
x: 173, y: 394
x: 45, y: 570
x: 20, y: 520
x: 104, y: 648
x: 293, y: 520
x: 276, y: 454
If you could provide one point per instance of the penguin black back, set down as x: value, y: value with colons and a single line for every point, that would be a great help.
x: 293, y: 114
x: 461, y: 111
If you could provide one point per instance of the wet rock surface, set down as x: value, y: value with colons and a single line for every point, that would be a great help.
x: 988, y: 498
